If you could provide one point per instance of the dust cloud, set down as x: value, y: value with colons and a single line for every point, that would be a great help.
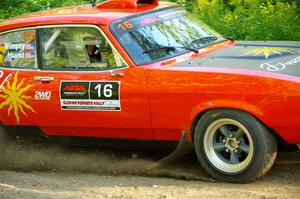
x: 99, y: 161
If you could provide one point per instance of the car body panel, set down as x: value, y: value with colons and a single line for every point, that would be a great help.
x: 214, y: 84
x: 162, y: 99
x: 47, y: 114
x: 176, y: 104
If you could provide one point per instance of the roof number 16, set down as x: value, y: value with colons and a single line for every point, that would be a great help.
x: 125, y: 25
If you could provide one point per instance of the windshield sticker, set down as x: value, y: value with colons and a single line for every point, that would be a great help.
x: 13, y: 97
x: 10, y: 52
x: 29, y: 36
x: 135, y: 23
x: 149, y: 21
x: 171, y: 15
x: 2, y: 53
x: 126, y: 25
x: 15, y: 51
x: 90, y: 95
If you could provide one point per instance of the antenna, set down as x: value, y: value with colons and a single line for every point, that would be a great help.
x: 94, y: 3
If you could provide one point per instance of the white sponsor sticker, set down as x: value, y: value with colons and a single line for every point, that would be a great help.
x: 275, y: 67
x: 42, y: 95
x: 90, y: 95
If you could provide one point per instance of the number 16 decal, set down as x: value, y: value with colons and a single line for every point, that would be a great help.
x: 105, y: 90
x: 90, y: 95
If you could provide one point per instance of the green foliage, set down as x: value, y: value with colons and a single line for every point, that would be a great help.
x: 252, y: 19
x: 9, y: 8
x: 239, y: 19
x: 189, y: 4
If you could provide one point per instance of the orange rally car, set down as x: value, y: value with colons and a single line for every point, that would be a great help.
x: 149, y: 72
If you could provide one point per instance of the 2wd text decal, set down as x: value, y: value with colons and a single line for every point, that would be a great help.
x: 90, y: 95
x: 42, y: 95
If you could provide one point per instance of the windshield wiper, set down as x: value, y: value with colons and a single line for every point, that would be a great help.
x: 169, y: 48
x: 204, y: 40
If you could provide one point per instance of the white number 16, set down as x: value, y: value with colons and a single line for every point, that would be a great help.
x: 107, y: 90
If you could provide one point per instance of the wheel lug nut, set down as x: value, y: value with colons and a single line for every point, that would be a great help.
x: 235, y: 150
x: 231, y: 136
x: 224, y: 141
x: 227, y: 150
x: 238, y: 142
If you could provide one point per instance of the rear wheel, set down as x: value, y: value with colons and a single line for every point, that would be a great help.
x: 233, y: 146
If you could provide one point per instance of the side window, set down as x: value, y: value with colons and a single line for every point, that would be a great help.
x: 77, y: 48
x: 18, y: 49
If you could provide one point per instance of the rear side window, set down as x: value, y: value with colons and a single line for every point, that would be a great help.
x: 18, y: 49
x: 77, y: 48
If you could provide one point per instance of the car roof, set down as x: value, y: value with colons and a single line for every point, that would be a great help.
x: 83, y: 14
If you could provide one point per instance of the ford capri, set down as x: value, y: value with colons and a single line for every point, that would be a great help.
x: 148, y: 73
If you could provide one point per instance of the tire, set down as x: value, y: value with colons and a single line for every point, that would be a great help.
x: 233, y: 146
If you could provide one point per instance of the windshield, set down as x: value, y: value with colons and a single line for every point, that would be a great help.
x: 162, y: 35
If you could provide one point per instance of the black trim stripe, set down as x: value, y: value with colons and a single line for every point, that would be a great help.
x: 39, y: 48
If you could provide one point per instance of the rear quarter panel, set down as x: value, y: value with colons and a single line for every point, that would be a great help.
x: 177, y: 96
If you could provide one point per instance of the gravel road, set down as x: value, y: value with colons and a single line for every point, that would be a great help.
x: 89, y: 173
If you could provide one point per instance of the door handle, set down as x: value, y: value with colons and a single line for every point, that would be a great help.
x: 116, y: 74
x: 43, y: 79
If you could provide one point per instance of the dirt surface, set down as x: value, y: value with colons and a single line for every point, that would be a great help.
x: 88, y: 173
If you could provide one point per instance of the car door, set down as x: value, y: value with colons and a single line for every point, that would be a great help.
x: 87, y: 95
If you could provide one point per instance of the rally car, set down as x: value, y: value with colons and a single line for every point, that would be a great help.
x: 149, y: 72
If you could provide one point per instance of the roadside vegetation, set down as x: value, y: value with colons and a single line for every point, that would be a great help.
x: 239, y: 19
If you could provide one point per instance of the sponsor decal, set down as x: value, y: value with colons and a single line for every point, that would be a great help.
x: 29, y: 35
x: 267, y: 52
x: 15, y: 47
x: 90, y: 95
x: 9, y: 52
x: 2, y: 53
x: 274, y: 67
x: 148, y: 21
x: 126, y: 25
x: 42, y: 95
x: 171, y: 14
x: 13, y: 96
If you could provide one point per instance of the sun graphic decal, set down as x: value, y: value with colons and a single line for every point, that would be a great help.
x: 14, y: 97
x: 267, y: 51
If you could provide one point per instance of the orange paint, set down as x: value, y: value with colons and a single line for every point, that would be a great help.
x: 158, y: 101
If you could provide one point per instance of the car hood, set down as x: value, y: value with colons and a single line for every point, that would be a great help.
x: 277, y: 57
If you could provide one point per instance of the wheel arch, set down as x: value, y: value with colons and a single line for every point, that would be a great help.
x: 203, y: 107
x: 250, y: 109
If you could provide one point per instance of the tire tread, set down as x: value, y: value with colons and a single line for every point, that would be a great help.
x: 268, y: 148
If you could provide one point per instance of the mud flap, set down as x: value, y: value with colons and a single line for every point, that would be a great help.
x: 182, y: 148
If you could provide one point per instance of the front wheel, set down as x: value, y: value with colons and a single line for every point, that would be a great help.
x: 233, y: 146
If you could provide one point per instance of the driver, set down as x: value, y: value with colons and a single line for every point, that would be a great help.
x: 94, y: 53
